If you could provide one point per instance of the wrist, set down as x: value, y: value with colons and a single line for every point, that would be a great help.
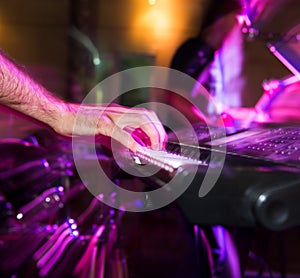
x: 65, y: 120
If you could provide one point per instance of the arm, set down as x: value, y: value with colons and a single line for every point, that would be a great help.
x: 20, y: 93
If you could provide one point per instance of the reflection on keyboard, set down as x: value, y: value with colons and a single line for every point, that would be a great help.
x: 166, y: 160
x: 273, y: 144
x: 277, y: 144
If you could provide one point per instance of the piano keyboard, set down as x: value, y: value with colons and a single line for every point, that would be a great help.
x: 165, y: 160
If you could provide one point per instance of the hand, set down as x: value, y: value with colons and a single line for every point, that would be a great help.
x: 22, y: 94
x: 132, y: 127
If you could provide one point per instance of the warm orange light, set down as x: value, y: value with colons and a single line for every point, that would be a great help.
x: 160, y: 26
x: 154, y: 23
x: 160, y: 22
x: 152, y: 2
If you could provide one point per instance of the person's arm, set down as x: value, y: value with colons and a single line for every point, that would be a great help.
x: 21, y: 93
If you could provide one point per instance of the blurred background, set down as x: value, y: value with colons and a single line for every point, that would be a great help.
x: 71, y: 45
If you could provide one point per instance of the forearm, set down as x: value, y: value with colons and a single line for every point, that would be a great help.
x: 21, y: 93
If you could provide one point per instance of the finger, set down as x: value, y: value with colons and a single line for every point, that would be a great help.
x: 139, y: 136
x: 146, y: 133
x: 149, y: 123
x: 153, y: 127
x: 152, y: 130
x: 126, y: 139
x: 159, y: 127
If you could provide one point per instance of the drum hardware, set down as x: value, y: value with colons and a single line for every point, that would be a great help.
x: 26, y: 181
x: 94, y: 237
x: 103, y: 256
x: 104, y: 245
x: 49, y: 255
x: 42, y: 207
x: 272, y: 89
x: 28, y: 166
x: 46, y: 246
x: 83, y: 267
x: 39, y: 188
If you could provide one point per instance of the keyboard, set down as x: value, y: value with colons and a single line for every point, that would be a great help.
x: 261, y: 144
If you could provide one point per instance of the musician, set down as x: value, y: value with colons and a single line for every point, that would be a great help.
x: 22, y: 94
x: 231, y: 59
x: 244, y: 62
x: 235, y: 59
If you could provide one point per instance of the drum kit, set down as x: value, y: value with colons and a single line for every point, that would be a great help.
x: 50, y: 226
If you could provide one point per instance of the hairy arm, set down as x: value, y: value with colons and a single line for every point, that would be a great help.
x: 21, y: 93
